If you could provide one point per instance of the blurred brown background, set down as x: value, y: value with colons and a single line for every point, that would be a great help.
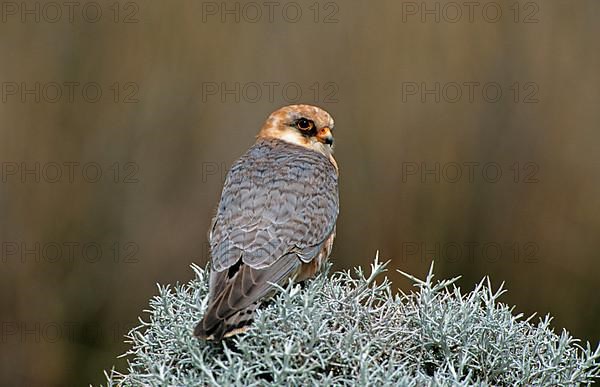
x: 463, y: 134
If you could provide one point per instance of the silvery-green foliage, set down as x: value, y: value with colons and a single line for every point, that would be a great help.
x: 348, y: 329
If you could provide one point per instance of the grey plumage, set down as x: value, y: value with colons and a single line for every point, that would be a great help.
x: 276, y: 219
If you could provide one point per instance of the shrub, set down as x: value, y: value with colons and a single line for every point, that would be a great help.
x: 348, y: 330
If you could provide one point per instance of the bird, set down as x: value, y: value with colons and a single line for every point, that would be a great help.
x: 276, y: 218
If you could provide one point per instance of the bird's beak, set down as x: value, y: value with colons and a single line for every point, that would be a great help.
x: 324, y: 135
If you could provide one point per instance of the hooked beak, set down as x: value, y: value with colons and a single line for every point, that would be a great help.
x: 324, y: 135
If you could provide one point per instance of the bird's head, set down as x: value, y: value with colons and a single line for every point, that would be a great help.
x: 304, y: 125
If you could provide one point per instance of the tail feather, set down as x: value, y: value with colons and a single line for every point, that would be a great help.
x: 231, y: 310
x: 213, y: 328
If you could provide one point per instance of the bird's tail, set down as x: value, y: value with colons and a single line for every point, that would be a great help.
x: 212, y: 327
x: 236, y: 296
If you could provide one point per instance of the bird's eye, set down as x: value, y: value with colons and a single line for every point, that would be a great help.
x: 304, y: 124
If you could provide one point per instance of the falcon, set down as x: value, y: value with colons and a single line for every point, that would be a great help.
x: 275, y: 220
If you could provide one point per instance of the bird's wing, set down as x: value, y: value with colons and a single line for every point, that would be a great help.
x: 277, y: 199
